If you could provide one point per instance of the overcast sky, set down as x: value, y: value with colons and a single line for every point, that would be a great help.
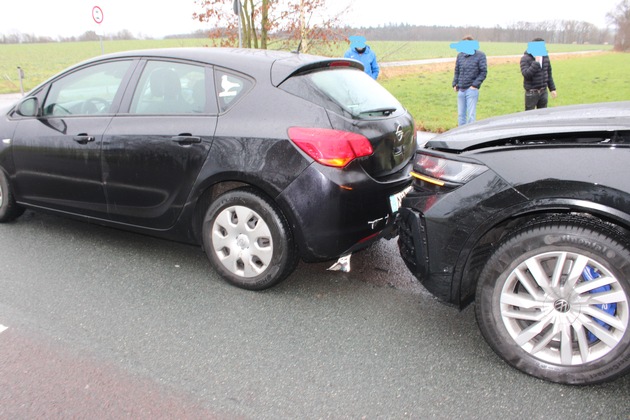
x: 157, y: 18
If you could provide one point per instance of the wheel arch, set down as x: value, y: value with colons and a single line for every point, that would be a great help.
x: 207, y: 196
x: 480, y: 246
x: 213, y: 191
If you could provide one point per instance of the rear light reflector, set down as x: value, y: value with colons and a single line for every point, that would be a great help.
x: 369, y: 238
x: 334, y: 148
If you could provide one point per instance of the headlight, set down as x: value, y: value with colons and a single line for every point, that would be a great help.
x: 441, y: 171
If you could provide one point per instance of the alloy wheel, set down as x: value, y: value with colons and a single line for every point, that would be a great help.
x: 564, y: 308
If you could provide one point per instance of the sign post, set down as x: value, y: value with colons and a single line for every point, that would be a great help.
x: 237, y: 12
x: 21, y: 77
x: 97, y: 15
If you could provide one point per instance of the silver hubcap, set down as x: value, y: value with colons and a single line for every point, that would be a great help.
x: 564, y: 308
x: 242, y: 241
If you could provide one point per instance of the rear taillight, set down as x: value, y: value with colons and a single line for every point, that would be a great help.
x: 331, y: 147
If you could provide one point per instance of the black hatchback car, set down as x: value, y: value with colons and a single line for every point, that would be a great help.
x: 261, y: 157
x: 529, y: 214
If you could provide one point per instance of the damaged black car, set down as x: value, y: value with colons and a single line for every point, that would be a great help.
x: 261, y: 157
x: 529, y: 216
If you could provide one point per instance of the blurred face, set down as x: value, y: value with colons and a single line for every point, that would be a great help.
x: 360, y: 50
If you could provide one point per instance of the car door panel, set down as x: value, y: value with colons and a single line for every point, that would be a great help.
x: 58, y: 166
x: 57, y: 150
x: 150, y: 164
x: 153, y: 154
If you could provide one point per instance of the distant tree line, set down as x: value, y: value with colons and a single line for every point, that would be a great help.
x: 22, y: 38
x: 560, y: 32
x: 553, y: 32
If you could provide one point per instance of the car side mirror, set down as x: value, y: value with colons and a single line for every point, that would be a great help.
x: 29, y: 107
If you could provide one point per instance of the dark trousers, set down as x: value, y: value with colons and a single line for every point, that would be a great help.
x: 536, y: 98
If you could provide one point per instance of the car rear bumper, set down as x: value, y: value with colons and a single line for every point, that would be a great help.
x: 334, y: 213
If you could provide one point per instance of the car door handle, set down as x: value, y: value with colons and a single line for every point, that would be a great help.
x: 186, y: 139
x: 84, y: 138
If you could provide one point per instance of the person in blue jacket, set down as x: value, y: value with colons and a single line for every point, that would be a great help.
x: 362, y: 52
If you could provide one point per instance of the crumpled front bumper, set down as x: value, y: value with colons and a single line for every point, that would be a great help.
x: 414, y: 250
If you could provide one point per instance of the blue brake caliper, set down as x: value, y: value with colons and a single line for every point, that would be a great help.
x: 590, y: 274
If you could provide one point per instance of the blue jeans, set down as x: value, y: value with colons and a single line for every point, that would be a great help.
x: 467, y: 105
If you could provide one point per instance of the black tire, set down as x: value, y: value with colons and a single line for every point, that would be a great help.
x: 545, y: 320
x: 9, y: 209
x: 248, y: 241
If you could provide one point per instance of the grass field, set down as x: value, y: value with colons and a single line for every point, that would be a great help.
x: 40, y: 61
x: 428, y: 95
x: 424, y: 90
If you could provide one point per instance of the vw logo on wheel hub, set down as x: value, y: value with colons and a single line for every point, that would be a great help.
x: 562, y: 305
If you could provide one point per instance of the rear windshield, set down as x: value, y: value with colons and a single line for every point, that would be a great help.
x: 345, y: 91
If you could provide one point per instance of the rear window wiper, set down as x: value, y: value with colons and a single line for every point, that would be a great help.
x: 383, y: 111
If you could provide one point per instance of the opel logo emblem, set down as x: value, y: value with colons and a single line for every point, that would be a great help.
x: 562, y: 306
x: 399, y: 133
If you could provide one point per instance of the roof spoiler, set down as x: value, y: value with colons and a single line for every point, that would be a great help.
x: 287, y: 68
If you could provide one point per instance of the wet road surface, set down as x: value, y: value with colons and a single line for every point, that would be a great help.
x: 109, y: 324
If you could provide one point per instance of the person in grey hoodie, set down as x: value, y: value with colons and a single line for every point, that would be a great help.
x: 471, y: 69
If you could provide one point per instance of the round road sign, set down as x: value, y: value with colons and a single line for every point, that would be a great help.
x: 97, y: 14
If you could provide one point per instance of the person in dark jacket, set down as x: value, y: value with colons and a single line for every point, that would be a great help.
x: 471, y: 69
x: 362, y: 52
x: 537, y: 75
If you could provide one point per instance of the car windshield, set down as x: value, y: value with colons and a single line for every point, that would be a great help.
x: 349, y: 90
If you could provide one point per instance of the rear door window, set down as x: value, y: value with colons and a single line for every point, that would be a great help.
x: 171, y: 88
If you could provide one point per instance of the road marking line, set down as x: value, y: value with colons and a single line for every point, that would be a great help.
x: 2, y: 328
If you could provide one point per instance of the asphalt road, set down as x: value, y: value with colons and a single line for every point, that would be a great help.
x: 109, y: 324
x: 102, y: 323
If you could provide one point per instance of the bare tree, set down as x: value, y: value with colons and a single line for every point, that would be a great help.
x: 222, y: 15
x: 302, y: 22
x: 307, y: 23
x: 620, y: 18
